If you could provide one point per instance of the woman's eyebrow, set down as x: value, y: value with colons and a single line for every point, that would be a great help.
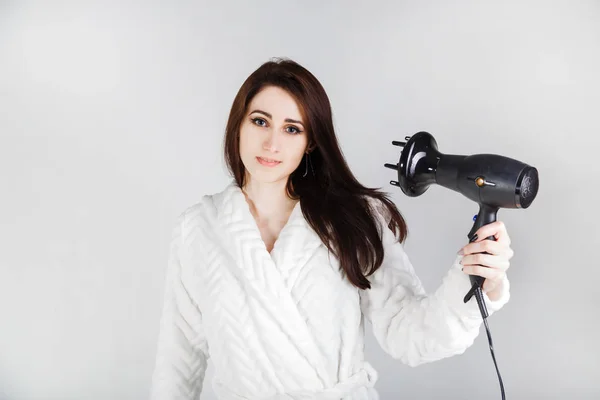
x: 271, y: 117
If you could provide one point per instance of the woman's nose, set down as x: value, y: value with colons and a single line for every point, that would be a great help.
x: 272, y: 141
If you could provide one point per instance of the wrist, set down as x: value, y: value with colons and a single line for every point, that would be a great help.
x: 496, y: 293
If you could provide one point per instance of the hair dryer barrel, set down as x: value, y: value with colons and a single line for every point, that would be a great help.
x: 489, y: 179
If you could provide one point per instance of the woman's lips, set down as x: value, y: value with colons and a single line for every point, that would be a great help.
x: 262, y: 161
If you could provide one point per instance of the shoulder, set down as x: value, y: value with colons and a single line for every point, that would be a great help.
x: 205, y: 210
x: 391, y: 230
x: 379, y: 209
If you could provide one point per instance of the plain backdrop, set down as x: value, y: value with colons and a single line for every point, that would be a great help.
x: 112, y: 116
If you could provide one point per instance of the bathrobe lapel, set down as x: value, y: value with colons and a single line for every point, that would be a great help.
x: 267, y: 276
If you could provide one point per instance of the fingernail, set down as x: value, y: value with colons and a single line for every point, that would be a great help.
x: 474, y: 238
x: 460, y: 252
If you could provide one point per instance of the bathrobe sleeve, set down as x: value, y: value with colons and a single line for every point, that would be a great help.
x: 182, y: 351
x: 416, y: 327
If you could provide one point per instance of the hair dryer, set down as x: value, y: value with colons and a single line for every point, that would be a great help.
x: 491, y: 180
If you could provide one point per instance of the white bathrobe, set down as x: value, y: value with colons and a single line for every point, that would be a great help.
x: 285, y: 324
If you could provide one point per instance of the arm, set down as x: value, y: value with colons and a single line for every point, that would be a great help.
x: 182, y: 350
x: 416, y: 327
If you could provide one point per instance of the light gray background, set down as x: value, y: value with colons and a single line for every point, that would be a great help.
x: 111, y: 123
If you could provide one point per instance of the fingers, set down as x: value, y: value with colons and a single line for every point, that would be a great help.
x: 488, y: 246
x: 496, y: 229
x: 491, y: 266
x: 493, y: 274
x: 486, y: 261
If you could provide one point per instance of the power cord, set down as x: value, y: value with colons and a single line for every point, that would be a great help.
x: 478, y: 293
x: 481, y: 302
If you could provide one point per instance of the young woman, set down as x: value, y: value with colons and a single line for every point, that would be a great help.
x: 273, y: 277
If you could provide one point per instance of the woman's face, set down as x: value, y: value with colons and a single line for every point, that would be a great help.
x: 272, y: 130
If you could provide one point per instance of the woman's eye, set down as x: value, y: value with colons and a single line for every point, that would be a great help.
x: 261, y: 122
x: 258, y: 121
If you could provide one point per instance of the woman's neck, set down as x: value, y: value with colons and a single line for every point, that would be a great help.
x: 268, y: 201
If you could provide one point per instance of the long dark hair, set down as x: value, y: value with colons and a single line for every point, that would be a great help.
x: 334, y: 203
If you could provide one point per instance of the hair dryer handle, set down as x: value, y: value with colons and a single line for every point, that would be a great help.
x: 487, y: 215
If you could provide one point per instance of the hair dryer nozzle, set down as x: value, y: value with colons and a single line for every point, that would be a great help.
x: 418, y: 163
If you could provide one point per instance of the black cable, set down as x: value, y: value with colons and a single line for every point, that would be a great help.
x: 478, y: 293
x: 481, y: 302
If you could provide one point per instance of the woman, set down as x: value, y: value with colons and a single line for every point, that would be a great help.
x: 273, y: 277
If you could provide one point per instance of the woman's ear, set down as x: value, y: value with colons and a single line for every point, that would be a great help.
x: 311, y: 147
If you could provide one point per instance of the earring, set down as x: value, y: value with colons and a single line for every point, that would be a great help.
x: 306, y: 164
x: 308, y: 161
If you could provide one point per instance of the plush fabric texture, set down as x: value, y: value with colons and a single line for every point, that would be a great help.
x: 285, y: 324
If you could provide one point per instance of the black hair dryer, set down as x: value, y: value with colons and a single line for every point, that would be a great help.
x: 491, y: 180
